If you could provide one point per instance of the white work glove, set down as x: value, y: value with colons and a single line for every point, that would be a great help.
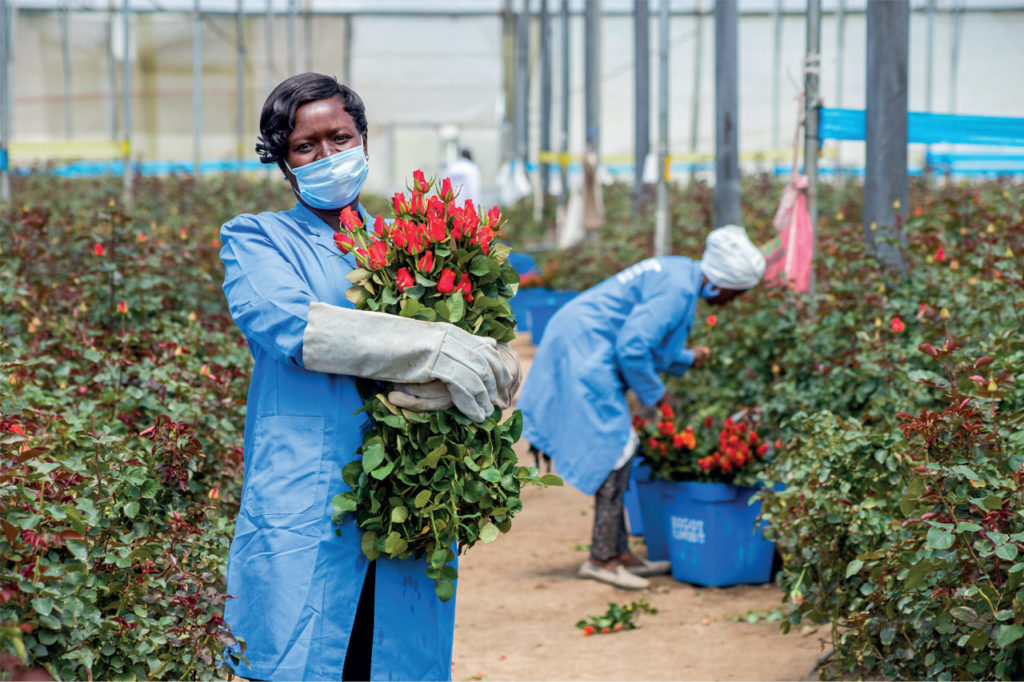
x: 400, y: 350
x: 434, y: 395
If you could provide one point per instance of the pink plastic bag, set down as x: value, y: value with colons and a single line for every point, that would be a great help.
x: 789, y: 256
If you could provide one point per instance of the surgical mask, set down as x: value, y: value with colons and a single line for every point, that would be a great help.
x: 709, y: 290
x: 334, y: 181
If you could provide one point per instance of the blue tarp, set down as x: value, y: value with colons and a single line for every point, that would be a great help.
x: 925, y: 128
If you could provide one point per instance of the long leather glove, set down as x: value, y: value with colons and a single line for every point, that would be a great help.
x: 397, y: 349
x: 434, y: 395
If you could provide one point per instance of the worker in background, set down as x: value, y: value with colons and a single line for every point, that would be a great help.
x: 618, y: 336
x: 464, y: 173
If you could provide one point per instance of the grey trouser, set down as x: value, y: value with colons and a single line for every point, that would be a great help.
x: 610, y: 538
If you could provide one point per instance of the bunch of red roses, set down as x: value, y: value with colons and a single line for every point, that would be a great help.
x: 406, y: 251
x: 710, y: 453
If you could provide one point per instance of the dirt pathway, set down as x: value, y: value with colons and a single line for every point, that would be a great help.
x: 519, y: 600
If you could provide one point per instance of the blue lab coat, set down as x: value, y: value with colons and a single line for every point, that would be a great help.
x: 295, y: 583
x: 614, y: 336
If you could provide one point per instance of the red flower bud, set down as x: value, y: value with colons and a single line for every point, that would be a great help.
x: 343, y: 241
x: 404, y: 279
x: 466, y: 287
x: 378, y: 226
x: 419, y: 182
x: 940, y: 255
x: 446, y: 284
x: 97, y: 248
x: 493, y: 217
x: 426, y: 263
x: 897, y: 325
x: 712, y: 320
x: 378, y: 255
x: 398, y: 201
x: 350, y: 218
x: 437, y: 230
x: 446, y: 189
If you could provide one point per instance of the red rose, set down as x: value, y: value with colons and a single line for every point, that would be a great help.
x: 762, y: 449
x: 416, y: 207
x: 419, y: 180
x: 446, y: 189
x: 404, y: 279
x: 426, y: 263
x: 398, y: 201
x: 122, y: 308
x: 493, y: 216
x: 678, y: 440
x: 437, y: 230
x: 378, y: 255
x: 398, y: 238
x: 466, y: 287
x: 446, y: 284
x: 415, y: 234
x: 435, y: 208
x: 97, y: 248
x: 350, y: 218
x: 378, y: 226
x: 343, y: 241
x: 712, y: 320
x: 897, y: 325
x: 940, y: 255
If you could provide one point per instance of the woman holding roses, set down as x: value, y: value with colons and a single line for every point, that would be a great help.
x: 305, y: 600
x: 618, y: 336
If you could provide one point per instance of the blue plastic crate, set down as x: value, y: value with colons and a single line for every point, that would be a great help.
x: 631, y: 500
x: 543, y: 310
x: 712, y: 537
x: 653, y: 513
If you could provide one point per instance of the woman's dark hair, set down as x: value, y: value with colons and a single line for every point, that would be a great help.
x: 277, y: 121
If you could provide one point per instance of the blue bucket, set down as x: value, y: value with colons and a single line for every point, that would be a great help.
x: 712, y: 536
x: 541, y: 312
x: 652, y: 510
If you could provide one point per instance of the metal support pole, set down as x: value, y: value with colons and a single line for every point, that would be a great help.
x: 240, y: 83
x: 307, y: 17
x: 956, y: 15
x: 6, y: 19
x: 840, y: 57
x: 292, y: 56
x: 886, y: 185
x: 565, y: 103
x: 776, y: 70
x: 522, y: 87
x: 591, y: 79
x: 545, y: 99
x: 197, y: 87
x: 642, y: 101
x: 127, y: 95
x: 115, y: 124
x: 65, y: 45
x: 727, y: 97
x: 662, y: 234
x: 929, y: 71
x: 812, y: 104
x: 698, y: 68
x: 271, y: 78
x: 346, y: 72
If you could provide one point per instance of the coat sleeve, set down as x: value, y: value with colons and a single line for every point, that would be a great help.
x: 645, y: 329
x: 268, y: 299
x: 682, y: 363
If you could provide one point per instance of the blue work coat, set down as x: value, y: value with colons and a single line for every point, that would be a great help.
x: 295, y: 583
x: 614, y: 336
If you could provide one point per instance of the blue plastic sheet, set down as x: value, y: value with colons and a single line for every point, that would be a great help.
x: 925, y: 128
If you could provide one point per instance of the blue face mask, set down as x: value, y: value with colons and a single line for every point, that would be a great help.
x: 709, y: 290
x: 334, y: 181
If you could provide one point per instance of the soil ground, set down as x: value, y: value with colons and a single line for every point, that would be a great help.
x: 519, y: 600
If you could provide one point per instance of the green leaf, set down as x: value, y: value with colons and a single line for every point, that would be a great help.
x: 489, y: 532
x: 131, y: 509
x: 500, y: 252
x: 550, y: 480
x: 369, y: 545
x: 964, y: 614
x: 456, y: 306
x: 43, y: 605
x: 853, y: 568
x: 380, y: 473
x: 372, y: 457
x: 1007, y: 551
x: 965, y: 472
x: 358, y: 275
x: 1008, y: 634
x: 887, y: 635
x: 939, y: 539
x: 491, y: 475
x: 399, y: 514
x: 422, y: 498
x: 444, y: 589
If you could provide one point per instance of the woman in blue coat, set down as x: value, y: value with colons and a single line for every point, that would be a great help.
x: 305, y: 600
x: 618, y: 336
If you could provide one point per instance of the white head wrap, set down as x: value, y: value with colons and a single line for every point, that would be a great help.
x: 731, y: 261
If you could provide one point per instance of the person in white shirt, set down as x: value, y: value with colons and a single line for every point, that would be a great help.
x: 465, y: 174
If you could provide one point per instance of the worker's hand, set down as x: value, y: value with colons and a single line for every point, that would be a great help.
x: 427, y: 397
x: 701, y: 354
x: 507, y: 393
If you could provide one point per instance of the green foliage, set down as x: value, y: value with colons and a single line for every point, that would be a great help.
x: 617, y: 617
x: 115, y: 542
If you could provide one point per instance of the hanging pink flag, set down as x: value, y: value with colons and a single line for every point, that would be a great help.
x: 789, y: 255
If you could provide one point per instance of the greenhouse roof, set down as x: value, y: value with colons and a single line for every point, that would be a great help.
x: 477, y: 7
